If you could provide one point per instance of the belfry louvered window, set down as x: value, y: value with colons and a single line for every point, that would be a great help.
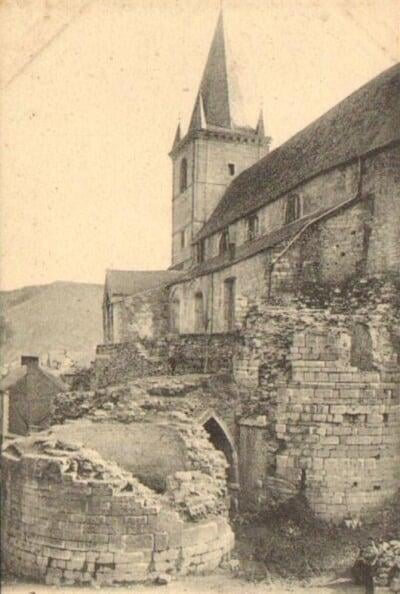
x: 183, y: 175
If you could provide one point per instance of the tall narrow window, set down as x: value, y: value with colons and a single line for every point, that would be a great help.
x: 199, y: 318
x: 231, y: 168
x: 175, y: 315
x: 293, y: 208
x: 252, y: 227
x: 201, y: 250
x: 183, y: 176
x: 182, y: 236
x: 229, y: 304
x: 224, y: 242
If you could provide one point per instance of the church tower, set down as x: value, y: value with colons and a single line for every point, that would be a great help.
x: 217, y: 147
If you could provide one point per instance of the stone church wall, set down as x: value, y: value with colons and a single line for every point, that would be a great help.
x: 143, y: 316
x: 380, y: 181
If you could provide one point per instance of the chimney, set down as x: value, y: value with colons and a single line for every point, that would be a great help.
x: 30, y: 361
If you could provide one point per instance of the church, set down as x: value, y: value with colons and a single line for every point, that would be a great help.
x: 247, y: 222
x: 285, y: 276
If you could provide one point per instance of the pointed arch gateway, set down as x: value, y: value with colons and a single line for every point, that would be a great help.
x: 222, y: 440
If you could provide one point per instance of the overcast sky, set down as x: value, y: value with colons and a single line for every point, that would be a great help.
x: 92, y: 93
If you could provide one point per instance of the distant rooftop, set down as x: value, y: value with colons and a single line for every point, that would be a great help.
x: 129, y: 282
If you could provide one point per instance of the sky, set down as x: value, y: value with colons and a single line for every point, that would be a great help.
x: 92, y: 91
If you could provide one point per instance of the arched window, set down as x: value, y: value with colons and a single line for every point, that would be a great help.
x: 175, y: 315
x: 224, y: 242
x: 199, y: 317
x: 293, y: 208
x: 183, y: 176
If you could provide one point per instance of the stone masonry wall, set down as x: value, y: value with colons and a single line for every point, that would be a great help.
x: 340, y: 427
x: 190, y: 353
x: 68, y: 518
x: 327, y: 374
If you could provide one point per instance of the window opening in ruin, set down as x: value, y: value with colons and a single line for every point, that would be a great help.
x: 175, y: 315
x: 252, y: 227
x: 303, y: 480
x: 229, y: 304
x: 182, y: 236
x: 231, y: 167
x: 222, y: 442
x: 361, y: 348
x: 354, y: 418
x: 293, y: 208
x: 199, y: 317
x: 385, y: 418
x: 224, y: 242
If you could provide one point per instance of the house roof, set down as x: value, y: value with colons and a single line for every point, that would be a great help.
x: 18, y: 373
x: 365, y: 121
x: 12, y: 378
x: 129, y: 282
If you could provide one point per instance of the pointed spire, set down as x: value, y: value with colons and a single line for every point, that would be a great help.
x: 178, y: 136
x: 260, y: 129
x: 198, y: 120
x: 219, y: 92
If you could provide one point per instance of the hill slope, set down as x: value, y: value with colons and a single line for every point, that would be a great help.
x: 55, y: 317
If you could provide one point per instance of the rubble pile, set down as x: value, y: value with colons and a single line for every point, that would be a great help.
x: 381, y: 562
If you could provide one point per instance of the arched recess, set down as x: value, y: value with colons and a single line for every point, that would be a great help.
x: 174, y: 313
x: 222, y: 440
x: 361, y: 352
x: 199, y: 314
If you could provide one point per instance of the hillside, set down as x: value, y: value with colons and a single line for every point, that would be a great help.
x: 61, y: 316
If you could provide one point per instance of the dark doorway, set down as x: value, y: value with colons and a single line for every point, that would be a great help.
x: 223, y: 443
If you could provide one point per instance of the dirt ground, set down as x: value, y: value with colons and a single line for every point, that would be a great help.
x: 220, y: 583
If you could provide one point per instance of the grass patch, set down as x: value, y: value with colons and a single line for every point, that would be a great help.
x: 291, y: 542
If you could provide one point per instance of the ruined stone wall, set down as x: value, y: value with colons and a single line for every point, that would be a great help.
x: 191, y: 353
x: 69, y: 518
x: 328, y: 368
x: 340, y: 426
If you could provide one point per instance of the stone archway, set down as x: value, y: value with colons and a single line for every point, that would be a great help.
x: 222, y: 440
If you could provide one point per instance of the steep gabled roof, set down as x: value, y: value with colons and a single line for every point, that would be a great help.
x: 121, y: 283
x: 366, y: 120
